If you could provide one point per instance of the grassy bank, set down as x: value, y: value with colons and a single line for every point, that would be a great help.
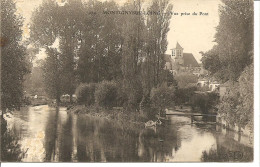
x: 118, y: 115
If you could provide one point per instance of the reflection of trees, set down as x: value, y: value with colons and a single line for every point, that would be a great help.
x: 157, y: 146
x: 58, y: 138
x: 101, y: 140
x: 65, y: 144
x: 228, y: 150
x: 10, y: 148
x: 51, y: 135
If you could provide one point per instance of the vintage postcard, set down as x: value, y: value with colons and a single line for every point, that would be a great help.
x: 127, y: 81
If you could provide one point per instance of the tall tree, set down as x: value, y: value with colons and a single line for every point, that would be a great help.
x: 13, y: 57
x: 52, y: 74
x: 45, y: 24
x: 133, y: 29
x: 52, y: 23
x: 68, y: 43
x: 100, y: 43
x: 158, y: 27
x: 234, y: 39
x: 13, y: 69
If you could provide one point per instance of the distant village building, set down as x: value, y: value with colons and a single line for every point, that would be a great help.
x: 203, y: 82
x: 213, y: 86
x: 181, y: 62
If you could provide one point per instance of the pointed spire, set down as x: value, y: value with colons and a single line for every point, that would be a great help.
x: 178, y: 46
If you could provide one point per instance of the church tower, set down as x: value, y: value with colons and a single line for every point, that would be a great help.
x: 177, y: 54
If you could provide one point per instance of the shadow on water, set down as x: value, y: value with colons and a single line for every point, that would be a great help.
x: 51, y: 135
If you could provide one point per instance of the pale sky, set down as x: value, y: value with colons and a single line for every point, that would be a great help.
x: 194, y: 33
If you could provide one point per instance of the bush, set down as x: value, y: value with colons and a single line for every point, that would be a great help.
x: 162, y: 97
x: 106, y: 94
x: 183, y: 95
x: 85, y: 93
x: 205, y: 101
x: 134, y: 93
x: 186, y: 79
x: 122, y: 96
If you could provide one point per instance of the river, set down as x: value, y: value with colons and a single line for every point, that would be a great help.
x: 46, y: 134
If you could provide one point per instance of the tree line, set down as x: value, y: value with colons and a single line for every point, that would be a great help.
x: 97, y: 47
x: 231, y: 61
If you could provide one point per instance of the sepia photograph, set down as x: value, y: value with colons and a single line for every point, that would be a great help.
x: 127, y: 81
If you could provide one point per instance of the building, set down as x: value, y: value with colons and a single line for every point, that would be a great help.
x: 179, y: 61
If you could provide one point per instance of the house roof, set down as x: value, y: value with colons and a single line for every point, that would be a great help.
x: 178, y: 46
x: 189, y: 60
x: 167, y: 57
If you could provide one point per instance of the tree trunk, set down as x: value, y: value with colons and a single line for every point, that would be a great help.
x: 71, y: 99
x: 58, y: 101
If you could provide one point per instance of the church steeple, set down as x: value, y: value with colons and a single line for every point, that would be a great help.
x: 177, y: 54
x: 178, y: 46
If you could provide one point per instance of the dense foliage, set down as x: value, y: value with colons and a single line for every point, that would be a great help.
x: 52, y: 74
x: 186, y: 79
x: 234, y: 38
x: 231, y: 61
x: 13, y: 57
x: 162, y: 97
x: 85, y: 93
x: 205, y: 102
x: 106, y: 94
x: 183, y: 95
x: 14, y: 66
x: 97, y: 47
x: 237, y: 106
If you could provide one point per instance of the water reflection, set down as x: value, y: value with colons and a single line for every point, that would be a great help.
x: 53, y: 135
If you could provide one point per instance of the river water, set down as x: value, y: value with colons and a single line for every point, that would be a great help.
x: 46, y: 134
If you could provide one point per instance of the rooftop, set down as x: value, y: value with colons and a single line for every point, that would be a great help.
x: 189, y: 60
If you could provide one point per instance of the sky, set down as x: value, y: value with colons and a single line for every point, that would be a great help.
x: 193, y: 33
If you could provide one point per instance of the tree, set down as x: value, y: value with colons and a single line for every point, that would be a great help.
x: 45, y: 23
x: 231, y: 60
x: 237, y: 106
x: 162, y: 97
x: 234, y: 39
x: 51, y: 23
x: 52, y: 74
x: 186, y: 79
x: 133, y: 29
x: 246, y: 87
x: 157, y: 29
x: 100, y: 46
x: 13, y: 57
x: 13, y: 69
x: 68, y: 43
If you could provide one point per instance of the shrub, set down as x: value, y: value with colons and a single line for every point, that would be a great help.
x: 183, y: 95
x: 106, y: 94
x: 205, y: 101
x: 134, y: 93
x: 122, y: 96
x: 85, y: 93
x: 162, y: 97
x: 186, y: 79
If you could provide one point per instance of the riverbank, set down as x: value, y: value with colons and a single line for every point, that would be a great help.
x: 118, y: 115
